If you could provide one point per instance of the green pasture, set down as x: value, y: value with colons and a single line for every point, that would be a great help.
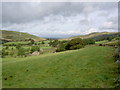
x: 89, y: 67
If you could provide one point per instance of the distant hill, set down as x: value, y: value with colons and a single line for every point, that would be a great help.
x: 95, y: 35
x: 18, y: 36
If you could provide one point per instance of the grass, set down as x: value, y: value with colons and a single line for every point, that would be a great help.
x: 12, y: 49
x: 16, y: 36
x: 90, y: 67
x: 101, y: 42
x: 17, y: 43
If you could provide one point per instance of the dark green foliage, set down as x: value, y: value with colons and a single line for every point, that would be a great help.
x: 43, y: 42
x: 62, y: 47
x: 76, y: 43
x: 7, y: 47
x: 34, y: 48
x: 35, y: 43
x: 4, y: 53
x: 88, y: 41
x: 78, y: 46
x: 32, y: 41
x: 12, y: 48
x: 54, y: 43
x: 73, y: 44
x: 110, y: 38
x: 117, y: 38
x: 18, y: 46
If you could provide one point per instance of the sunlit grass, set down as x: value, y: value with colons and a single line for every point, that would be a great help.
x: 90, y: 67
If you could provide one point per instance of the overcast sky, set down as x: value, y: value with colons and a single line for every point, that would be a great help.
x: 60, y: 20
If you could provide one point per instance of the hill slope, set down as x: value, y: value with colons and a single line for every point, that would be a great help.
x: 69, y: 69
x: 16, y: 36
x: 94, y: 35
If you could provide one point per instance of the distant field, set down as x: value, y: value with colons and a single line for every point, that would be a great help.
x: 90, y: 67
x: 16, y: 36
x: 100, y: 42
x: 110, y: 43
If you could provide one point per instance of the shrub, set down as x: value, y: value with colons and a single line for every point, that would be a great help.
x: 54, y: 43
x: 18, y: 46
x: 4, y: 53
x: 76, y: 43
x: 117, y: 38
x: 7, y: 47
x: 88, y: 41
x: 109, y: 38
x: 34, y: 48
x: 43, y: 42
x: 62, y: 47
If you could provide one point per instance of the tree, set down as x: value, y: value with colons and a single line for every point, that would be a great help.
x: 54, y: 43
x: 76, y: 43
x: 109, y: 38
x: 32, y: 41
x: 43, y: 42
x: 62, y: 47
x: 88, y: 41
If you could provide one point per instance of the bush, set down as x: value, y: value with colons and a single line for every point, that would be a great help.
x: 117, y: 38
x: 62, y: 47
x: 88, y: 41
x: 76, y: 47
x: 76, y: 43
x: 7, y: 47
x: 4, y: 53
x: 54, y: 43
x: 43, y: 42
x: 18, y: 46
x: 34, y: 48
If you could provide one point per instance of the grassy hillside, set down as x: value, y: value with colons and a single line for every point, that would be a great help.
x: 87, y: 67
x: 16, y: 36
x: 93, y: 35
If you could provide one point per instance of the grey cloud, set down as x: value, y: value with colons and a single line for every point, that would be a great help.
x: 67, y: 18
x: 25, y: 12
x: 84, y: 21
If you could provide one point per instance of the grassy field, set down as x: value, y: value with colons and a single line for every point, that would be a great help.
x: 109, y: 43
x: 101, y: 42
x: 16, y: 36
x: 91, y: 67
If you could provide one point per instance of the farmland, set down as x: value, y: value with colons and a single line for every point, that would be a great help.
x: 75, y: 63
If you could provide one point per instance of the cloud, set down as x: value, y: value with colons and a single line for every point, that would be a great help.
x: 63, y: 19
x: 107, y: 24
x: 91, y: 30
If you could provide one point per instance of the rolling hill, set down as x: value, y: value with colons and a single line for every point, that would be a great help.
x: 18, y: 36
x: 89, y: 67
x: 94, y: 35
